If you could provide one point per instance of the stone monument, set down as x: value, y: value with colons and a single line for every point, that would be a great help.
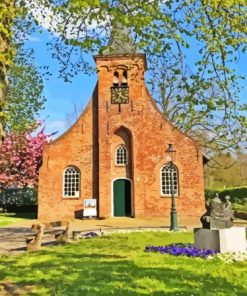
x: 218, y: 232
x: 219, y: 214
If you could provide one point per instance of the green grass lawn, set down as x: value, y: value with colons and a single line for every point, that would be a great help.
x: 10, y: 218
x: 117, y: 265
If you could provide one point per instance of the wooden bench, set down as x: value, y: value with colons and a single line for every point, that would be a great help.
x: 40, y: 230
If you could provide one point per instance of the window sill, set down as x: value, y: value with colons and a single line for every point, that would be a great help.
x: 71, y: 197
x: 169, y: 196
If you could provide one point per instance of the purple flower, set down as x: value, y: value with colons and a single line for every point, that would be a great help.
x: 180, y: 249
x: 90, y: 234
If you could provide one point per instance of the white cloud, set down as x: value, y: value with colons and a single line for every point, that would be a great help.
x: 43, y: 12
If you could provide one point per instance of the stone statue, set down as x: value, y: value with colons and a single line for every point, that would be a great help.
x: 219, y: 214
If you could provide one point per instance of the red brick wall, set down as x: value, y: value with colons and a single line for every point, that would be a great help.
x: 72, y: 148
x: 151, y: 134
x: 91, y: 143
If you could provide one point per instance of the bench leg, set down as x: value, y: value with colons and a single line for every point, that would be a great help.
x: 76, y: 235
x: 64, y: 236
x: 35, y: 243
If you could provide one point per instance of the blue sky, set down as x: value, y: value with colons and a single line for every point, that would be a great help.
x: 62, y: 97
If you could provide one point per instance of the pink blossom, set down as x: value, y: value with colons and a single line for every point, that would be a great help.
x: 20, y: 155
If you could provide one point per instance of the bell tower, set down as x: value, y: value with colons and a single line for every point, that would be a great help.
x: 120, y: 92
x: 120, y: 69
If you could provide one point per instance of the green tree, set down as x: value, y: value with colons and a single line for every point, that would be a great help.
x: 165, y: 30
x: 202, y: 100
x: 7, y: 14
x: 21, y: 84
x: 25, y: 95
x: 226, y: 170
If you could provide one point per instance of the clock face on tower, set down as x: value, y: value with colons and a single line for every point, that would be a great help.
x: 119, y: 95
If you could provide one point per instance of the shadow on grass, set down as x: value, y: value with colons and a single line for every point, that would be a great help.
x: 85, y: 269
x: 24, y: 215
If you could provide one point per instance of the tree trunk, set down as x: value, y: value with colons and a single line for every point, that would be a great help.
x: 3, y: 95
x: 7, y: 13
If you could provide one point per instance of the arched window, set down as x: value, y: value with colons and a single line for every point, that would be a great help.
x: 121, y: 155
x: 71, y: 182
x: 166, y: 182
x: 116, y: 79
x: 125, y: 79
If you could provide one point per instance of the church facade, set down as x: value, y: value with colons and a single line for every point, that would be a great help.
x: 116, y: 153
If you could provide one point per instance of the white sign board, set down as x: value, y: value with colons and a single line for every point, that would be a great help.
x: 90, y: 208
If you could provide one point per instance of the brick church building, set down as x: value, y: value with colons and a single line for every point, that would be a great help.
x: 116, y: 152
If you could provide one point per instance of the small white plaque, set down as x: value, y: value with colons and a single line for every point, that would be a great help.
x: 90, y: 208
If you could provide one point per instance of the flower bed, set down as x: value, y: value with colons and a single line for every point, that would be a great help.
x: 230, y: 257
x: 181, y: 249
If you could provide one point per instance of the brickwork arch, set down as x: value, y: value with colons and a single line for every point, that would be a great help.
x: 122, y: 137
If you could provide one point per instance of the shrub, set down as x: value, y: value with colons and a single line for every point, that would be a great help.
x: 238, y: 195
x: 210, y: 193
x: 18, y: 197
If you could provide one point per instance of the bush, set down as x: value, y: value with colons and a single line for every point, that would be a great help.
x: 237, y: 194
x: 18, y: 197
x: 210, y: 193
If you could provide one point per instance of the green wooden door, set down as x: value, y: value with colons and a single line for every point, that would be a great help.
x: 122, y: 198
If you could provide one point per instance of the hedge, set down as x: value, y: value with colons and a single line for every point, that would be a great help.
x: 22, y: 209
x: 237, y: 194
x: 18, y: 197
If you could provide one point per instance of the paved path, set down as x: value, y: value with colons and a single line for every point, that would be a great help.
x: 13, y: 237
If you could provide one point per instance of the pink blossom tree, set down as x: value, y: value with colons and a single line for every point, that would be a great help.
x: 21, y: 158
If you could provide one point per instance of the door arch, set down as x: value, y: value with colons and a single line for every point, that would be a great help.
x: 122, y: 198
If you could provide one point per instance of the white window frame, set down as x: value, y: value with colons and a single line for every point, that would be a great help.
x: 77, y: 193
x: 178, y: 187
x: 122, y: 146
